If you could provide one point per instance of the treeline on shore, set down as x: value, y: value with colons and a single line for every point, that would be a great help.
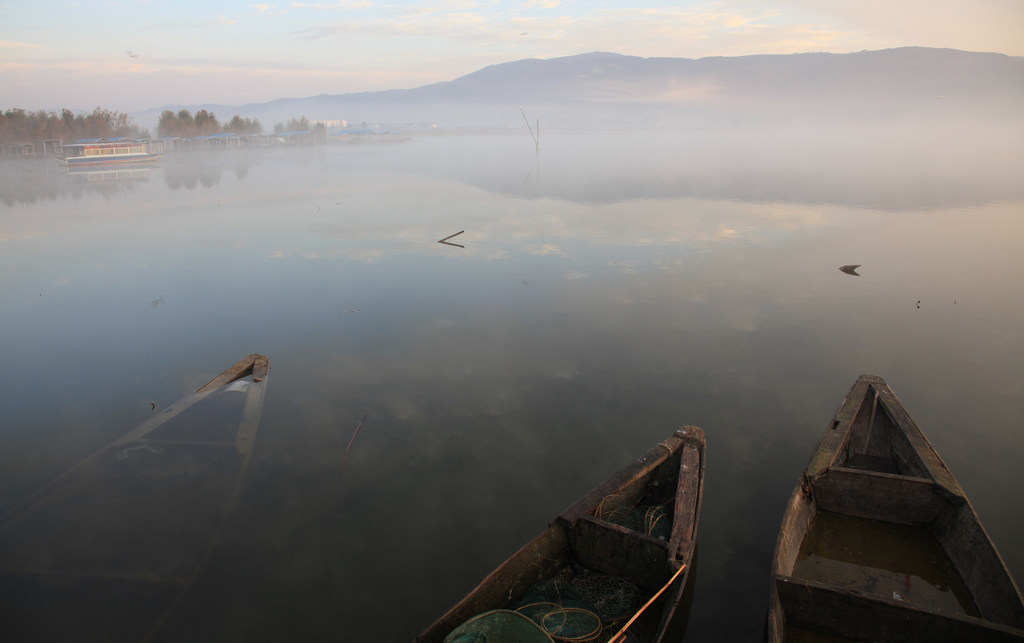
x: 19, y: 125
x: 184, y: 125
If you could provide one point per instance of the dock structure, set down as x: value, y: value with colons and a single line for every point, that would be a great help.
x: 294, y: 138
x: 17, y: 149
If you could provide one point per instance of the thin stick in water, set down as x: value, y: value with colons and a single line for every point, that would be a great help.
x: 535, y: 141
x: 350, y: 442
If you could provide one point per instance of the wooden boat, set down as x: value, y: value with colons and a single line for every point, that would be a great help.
x: 583, y: 548
x: 106, y: 550
x: 879, y: 542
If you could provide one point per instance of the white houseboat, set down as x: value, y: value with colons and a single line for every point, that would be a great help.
x: 108, y: 151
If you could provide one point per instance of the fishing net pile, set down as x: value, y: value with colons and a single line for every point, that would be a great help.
x: 653, y: 520
x: 586, y: 609
x: 580, y: 610
x: 498, y: 626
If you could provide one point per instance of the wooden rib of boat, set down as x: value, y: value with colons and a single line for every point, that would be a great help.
x: 106, y: 550
x: 583, y: 543
x: 879, y: 542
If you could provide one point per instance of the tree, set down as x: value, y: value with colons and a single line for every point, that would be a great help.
x: 294, y: 125
x: 239, y: 125
x: 186, y: 124
x: 19, y: 125
x: 167, y: 125
x: 206, y: 123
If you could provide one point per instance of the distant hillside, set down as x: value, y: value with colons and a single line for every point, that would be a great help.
x: 607, y: 89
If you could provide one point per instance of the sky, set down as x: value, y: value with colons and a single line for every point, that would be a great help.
x: 131, y: 55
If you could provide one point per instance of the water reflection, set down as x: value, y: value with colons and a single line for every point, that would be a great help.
x: 682, y: 279
x: 27, y: 182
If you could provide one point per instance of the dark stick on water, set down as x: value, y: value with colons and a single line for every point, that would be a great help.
x: 354, y: 434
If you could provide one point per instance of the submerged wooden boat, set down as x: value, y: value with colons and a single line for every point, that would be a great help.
x: 627, y: 547
x: 106, y: 550
x: 879, y: 542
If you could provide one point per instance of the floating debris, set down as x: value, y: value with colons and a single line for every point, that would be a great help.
x: 350, y: 442
x: 445, y: 240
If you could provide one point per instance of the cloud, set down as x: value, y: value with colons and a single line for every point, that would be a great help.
x: 261, y: 7
x: 337, y: 6
x: 988, y: 25
x: 7, y: 43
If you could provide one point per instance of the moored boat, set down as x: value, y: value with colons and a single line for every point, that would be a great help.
x: 612, y: 565
x: 106, y: 151
x: 104, y: 551
x: 880, y: 543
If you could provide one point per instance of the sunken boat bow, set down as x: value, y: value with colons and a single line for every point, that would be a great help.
x: 112, y: 544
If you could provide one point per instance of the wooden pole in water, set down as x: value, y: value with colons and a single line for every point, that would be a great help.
x: 536, y: 141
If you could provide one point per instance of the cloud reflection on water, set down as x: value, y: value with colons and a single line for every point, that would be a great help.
x: 669, y: 283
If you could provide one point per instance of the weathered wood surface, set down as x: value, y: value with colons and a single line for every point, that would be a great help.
x: 613, y: 549
x: 878, y: 496
x: 260, y: 367
x: 685, y: 514
x: 241, y: 369
x: 643, y: 466
x: 996, y: 594
x: 828, y: 448
x: 818, y: 606
x: 800, y: 513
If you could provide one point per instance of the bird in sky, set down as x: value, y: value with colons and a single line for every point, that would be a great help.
x: 131, y: 55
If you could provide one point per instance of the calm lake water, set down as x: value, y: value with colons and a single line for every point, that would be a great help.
x: 612, y: 288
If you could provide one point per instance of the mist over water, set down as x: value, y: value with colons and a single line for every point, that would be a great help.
x: 613, y: 287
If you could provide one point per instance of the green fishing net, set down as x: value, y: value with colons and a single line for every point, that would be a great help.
x: 587, y: 608
x: 610, y: 597
x: 651, y: 520
x: 571, y: 624
x: 498, y: 626
x: 580, y: 610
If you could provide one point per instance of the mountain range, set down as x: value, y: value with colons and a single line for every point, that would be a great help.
x: 614, y: 90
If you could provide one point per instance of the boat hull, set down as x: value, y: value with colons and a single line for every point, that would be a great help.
x: 876, y: 475
x: 117, y: 159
